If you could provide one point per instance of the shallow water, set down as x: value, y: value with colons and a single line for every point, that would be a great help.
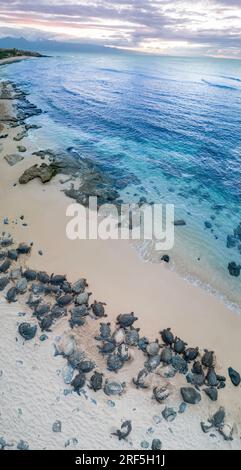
x: 165, y: 128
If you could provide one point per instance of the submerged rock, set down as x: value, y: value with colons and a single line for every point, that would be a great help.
x: 234, y: 269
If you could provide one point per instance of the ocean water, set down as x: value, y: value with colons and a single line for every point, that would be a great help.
x: 167, y: 129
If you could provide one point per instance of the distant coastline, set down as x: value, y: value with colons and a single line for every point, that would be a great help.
x: 14, y: 55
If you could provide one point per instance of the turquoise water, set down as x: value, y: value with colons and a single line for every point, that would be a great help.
x: 168, y: 129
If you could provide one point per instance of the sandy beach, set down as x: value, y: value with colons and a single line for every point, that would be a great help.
x: 33, y: 392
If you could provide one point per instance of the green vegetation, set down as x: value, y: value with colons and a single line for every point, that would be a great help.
x: 8, y: 53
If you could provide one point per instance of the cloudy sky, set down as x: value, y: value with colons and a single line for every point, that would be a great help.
x: 179, y: 27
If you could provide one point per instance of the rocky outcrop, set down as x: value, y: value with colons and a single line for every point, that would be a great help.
x: 13, y: 159
x: 44, y: 172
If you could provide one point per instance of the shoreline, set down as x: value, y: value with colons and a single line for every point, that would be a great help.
x: 11, y: 60
x: 117, y: 276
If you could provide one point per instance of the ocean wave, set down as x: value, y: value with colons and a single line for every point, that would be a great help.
x: 219, y: 85
x: 234, y: 79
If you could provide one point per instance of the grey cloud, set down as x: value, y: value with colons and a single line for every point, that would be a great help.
x: 147, y: 20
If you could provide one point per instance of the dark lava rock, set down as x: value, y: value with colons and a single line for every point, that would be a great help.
x: 211, y: 377
x: 3, y: 282
x: 234, y: 376
x: 190, y: 395
x: 212, y: 393
x: 165, y: 258
x: 44, y: 172
x: 234, y: 269
x: 27, y: 331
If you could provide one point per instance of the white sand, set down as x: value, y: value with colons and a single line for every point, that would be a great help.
x: 11, y: 60
x: 116, y: 275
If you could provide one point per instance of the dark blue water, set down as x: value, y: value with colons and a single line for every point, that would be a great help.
x: 168, y: 129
